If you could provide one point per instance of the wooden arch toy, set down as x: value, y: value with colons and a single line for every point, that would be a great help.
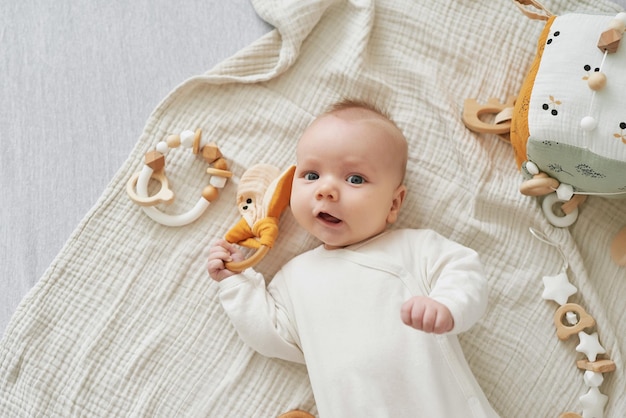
x: 154, y: 168
x: 262, y: 195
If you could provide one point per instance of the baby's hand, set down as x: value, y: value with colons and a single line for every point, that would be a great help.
x: 426, y: 314
x: 220, y: 253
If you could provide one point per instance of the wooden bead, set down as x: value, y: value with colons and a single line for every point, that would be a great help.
x: 196, y: 141
x: 598, y: 366
x: 210, y: 152
x: 569, y: 206
x: 219, y: 172
x: 617, y: 24
x: 155, y: 160
x: 220, y: 164
x: 609, y: 40
x: 596, y: 81
x: 210, y: 193
x: 570, y: 415
x: 173, y: 141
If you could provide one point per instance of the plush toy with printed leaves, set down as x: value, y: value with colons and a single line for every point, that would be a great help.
x: 567, y: 125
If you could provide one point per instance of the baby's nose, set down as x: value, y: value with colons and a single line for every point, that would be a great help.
x: 327, y: 190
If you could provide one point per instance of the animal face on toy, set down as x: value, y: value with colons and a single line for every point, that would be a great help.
x: 252, y: 196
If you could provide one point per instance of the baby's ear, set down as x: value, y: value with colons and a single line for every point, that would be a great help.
x: 396, y: 204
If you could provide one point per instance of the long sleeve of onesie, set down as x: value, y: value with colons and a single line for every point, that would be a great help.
x: 341, y: 310
x: 260, y: 318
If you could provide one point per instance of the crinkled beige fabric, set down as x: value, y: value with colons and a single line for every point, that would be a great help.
x: 126, y: 322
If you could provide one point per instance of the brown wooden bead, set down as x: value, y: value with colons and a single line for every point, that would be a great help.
x: 196, y: 141
x: 173, y: 141
x: 155, y: 160
x: 609, y: 40
x: 598, y: 366
x: 210, y: 152
x: 220, y: 164
x: 210, y: 193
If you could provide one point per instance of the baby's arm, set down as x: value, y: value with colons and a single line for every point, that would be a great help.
x: 260, y: 315
x: 426, y: 314
x: 455, y: 283
x: 259, y: 320
x: 220, y: 253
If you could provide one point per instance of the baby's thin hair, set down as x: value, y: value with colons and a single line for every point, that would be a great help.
x: 350, y: 103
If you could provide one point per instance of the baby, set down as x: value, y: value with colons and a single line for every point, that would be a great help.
x: 373, y: 313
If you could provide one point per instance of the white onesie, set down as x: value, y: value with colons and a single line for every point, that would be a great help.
x: 338, y: 311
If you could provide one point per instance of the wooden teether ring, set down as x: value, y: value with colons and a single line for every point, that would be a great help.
x: 154, y: 164
x: 254, y: 259
x: 164, y: 195
x: 472, y: 112
x: 564, y: 331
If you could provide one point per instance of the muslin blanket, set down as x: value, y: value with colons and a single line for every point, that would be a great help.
x: 126, y: 321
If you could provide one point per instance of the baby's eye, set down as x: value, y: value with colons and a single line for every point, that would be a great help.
x: 311, y: 176
x: 355, y: 179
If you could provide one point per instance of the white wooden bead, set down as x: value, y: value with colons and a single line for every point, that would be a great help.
x: 588, y: 123
x: 621, y: 16
x: 532, y: 168
x: 617, y: 24
x: 593, y: 379
x: 187, y: 138
x: 162, y: 147
x: 564, y: 192
x: 218, y: 181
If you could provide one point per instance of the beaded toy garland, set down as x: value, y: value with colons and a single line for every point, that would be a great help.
x: 154, y: 168
x: 571, y: 319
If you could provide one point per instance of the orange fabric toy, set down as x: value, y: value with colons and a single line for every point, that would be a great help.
x: 262, y: 195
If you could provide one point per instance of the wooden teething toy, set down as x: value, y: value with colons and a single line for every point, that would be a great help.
x: 570, y: 319
x: 472, y: 111
x: 154, y: 168
x: 262, y: 195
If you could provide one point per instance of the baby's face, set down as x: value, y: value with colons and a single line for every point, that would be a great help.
x: 347, y: 186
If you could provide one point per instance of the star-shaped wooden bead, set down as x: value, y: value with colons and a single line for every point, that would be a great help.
x: 558, y: 288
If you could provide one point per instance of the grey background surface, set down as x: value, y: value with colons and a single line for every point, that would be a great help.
x: 78, y: 82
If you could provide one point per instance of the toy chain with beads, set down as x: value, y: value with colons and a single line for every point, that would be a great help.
x: 572, y: 319
x: 154, y: 168
x: 608, y: 43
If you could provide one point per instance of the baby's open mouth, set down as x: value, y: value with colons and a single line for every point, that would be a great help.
x: 326, y: 217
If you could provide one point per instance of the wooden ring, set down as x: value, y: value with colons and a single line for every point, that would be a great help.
x: 164, y: 195
x: 564, y: 331
x: 254, y: 259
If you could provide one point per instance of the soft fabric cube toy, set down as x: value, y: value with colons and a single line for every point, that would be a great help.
x: 568, y: 123
x: 569, y: 120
